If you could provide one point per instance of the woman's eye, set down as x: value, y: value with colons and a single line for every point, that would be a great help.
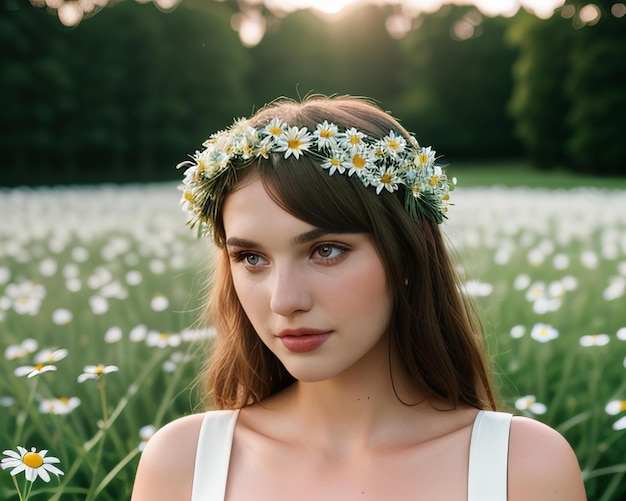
x: 252, y: 259
x: 248, y: 259
x: 329, y: 251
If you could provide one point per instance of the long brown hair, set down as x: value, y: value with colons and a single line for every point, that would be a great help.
x: 434, y: 330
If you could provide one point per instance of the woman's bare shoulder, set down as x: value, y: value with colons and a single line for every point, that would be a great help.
x: 165, y: 471
x: 542, y: 464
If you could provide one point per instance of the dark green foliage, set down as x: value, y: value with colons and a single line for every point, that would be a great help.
x: 131, y: 91
x: 569, y: 101
x: 124, y: 96
x: 460, y: 88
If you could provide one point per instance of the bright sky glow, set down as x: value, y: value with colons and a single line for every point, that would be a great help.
x: 542, y: 8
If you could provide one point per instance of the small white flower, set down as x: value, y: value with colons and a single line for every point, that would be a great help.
x: 138, y: 333
x: 48, y: 267
x: 614, y: 407
x: 96, y: 371
x: 594, y: 340
x: 59, y: 406
x: 7, y: 401
x: 133, y: 277
x: 386, y: 179
x: 5, y: 275
x: 159, y: 302
x: 326, y: 135
x: 335, y: 163
x: 26, y: 297
x: 113, y: 335
x: 34, y: 464
x: 351, y: 139
x: 22, y: 350
x: 99, y: 305
x: 157, y: 266
x: 560, y: 261
x: 294, y: 141
x: 393, y: 144
x: 476, y: 288
x: 521, y: 282
x: 518, y: 331
x: 44, y: 360
x: 48, y: 356
x: 162, y: 339
x: 589, y: 259
x: 543, y: 333
x: 620, y: 424
x: 145, y: 433
x: 80, y: 254
x: 529, y: 403
x: 61, y: 316
x: 621, y: 334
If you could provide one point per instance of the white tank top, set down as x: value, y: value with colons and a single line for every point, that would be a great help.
x: 488, y: 456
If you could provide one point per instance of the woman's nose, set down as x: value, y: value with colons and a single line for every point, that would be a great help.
x: 290, y: 291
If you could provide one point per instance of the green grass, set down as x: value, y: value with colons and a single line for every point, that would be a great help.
x: 97, y: 236
x: 523, y: 174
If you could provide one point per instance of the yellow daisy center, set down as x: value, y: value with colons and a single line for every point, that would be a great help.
x: 355, y: 139
x: 336, y: 162
x: 38, y: 367
x: 385, y: 178
x: 276, y: 131
x: 294, y: 144
x: 622, y: 405
x: 22, y: 299
x: 423, y: 158
x: 358, y: 161
x: 189, y: 197
x: 32, y: 460
x: 64, y: 400
x: 99, y: 369
x: 394, y: 145
x: 326, y: 133
x: 433, y: 180
x: 446, y: 197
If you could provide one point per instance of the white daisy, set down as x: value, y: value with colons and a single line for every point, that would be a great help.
x: 34, y: 464
x: 96, y: 371
x: 529, y: 403
x: 335, y: 163
x: 274, y: 128
x: 351, y: 139
x: 386, y: 179
x: 58, y: 406
x: 294, y: 141
x: 543, y: 333
x: 326, y: 135
x: 393, y: 144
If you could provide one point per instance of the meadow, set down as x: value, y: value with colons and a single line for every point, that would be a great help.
x: 101, y: 289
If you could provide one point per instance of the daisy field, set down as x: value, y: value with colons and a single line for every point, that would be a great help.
x: 101, y: 288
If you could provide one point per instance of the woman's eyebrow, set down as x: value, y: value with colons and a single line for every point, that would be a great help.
x: 241, y: 242
x: 302, y: 238
x: 307, y: 236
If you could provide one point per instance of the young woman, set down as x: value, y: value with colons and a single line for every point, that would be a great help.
x: 347, y: 364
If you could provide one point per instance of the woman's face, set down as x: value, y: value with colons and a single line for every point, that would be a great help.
x: 318, y: 300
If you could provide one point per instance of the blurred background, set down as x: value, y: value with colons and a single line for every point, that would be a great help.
x: 120, y: 91
x: 100, y: 99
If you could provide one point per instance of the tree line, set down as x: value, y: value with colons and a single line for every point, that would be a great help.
x: 127, y: 94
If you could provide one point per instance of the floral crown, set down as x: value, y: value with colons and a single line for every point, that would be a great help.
x: 385, y: 164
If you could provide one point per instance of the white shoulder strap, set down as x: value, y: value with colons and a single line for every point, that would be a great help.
x: 488, y: 458
x: 213, y: 455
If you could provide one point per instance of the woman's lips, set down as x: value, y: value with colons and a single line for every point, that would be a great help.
x: 303, y: 340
